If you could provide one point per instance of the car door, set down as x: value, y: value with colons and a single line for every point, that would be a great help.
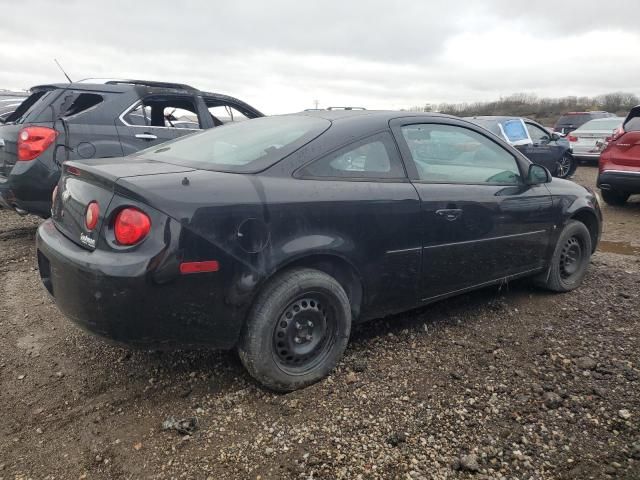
x: 480, y: 221
x: 368, y: 202
x: 157, y: 119
x: 544, y: 150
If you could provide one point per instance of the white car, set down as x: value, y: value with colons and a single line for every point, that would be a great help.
x: 588, y: 141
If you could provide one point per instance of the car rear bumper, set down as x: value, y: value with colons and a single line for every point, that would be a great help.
x: 622, y: 181
x: 124, y: 300
x: 28, y: 188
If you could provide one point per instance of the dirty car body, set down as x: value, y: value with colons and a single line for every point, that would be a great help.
x: 400, y: 209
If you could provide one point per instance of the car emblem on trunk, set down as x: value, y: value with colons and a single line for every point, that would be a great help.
x: 87, y: 240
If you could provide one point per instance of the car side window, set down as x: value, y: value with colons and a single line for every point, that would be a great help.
x: 452, y: 154
x: 163, y: 111
x: 373, y: 157
x: 537, y: 134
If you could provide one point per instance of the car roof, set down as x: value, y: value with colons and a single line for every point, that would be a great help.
x: 383, y: 115
x: 498, y: 118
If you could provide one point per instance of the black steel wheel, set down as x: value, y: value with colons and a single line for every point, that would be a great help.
x: 303, y: 336
x: 297, y: 330
x: 570, y: 259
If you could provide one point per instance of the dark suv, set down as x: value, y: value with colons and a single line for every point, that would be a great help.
x: 572, y: 120
x: 97, y: 119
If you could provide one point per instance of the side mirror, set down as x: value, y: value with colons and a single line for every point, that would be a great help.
x: 537, y: 174
x: 555, y: 136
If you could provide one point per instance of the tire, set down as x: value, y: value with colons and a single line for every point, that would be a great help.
x: 566, y: 166
x: 614, y: 198
x: 570, y: 259
x: 297, y: 330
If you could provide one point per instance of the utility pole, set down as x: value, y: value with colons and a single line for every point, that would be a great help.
x: 316, y: 103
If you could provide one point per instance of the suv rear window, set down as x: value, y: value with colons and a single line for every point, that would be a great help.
x: 27, y: 106
x: 243, y: 147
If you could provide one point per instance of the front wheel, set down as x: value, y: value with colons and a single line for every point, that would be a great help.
x: 614, y: 198
x: 570, y: 259
x: 297, y: 330
x: 566, y: 166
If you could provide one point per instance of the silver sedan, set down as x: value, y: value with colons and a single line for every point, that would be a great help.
x: 588, y: 141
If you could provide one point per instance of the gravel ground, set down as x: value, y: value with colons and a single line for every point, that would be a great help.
x: 501, y: 383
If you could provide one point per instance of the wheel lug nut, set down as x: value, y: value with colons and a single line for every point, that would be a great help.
x: 310, y: 323
x: 297, y: 339
x: 298, y: 326
x: 308, y: 337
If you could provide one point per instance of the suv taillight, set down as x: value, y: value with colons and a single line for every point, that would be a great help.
x: 131, y: 226
x: 32, y: 141
x: 617, y: 133
x: 572, y: 138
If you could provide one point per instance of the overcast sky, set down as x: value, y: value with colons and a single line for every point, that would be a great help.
x: 281, y: 55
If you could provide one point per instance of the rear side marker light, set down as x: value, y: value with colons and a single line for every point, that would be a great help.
x: 91, y: 215
x: 32, y: 141
x: 199, y: 267
x: 131, y: 226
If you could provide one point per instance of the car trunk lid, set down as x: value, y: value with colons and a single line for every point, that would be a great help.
x: 84, y: 183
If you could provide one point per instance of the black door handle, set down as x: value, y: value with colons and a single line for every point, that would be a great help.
x: 450, y: 214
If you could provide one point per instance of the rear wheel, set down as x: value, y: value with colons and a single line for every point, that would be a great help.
x: 297, y: 330
x: 614, y: 198
x: 570, y: 259
x: 566, y: 166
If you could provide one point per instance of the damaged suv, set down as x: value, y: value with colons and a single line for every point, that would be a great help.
x: 97, y: 119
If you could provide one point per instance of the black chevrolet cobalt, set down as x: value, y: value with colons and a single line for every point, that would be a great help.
x: 275, y: 235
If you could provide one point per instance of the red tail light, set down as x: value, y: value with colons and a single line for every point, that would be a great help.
x: 91, y: 215
x: 572, y: 138
x: 32, y: 141
x: 617, y: 133
x: 131, y: 226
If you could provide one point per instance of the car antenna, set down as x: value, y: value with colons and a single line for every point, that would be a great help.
x: 62, y: 70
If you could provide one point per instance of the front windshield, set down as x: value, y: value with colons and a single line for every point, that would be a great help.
x: 248, y: 146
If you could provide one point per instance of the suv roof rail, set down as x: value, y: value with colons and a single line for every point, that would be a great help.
x: 149, y: 83
x: 346, y: 108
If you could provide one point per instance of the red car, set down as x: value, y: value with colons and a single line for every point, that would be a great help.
x: 619, y: 167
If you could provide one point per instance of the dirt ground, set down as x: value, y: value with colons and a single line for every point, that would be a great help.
x: 502, y: 383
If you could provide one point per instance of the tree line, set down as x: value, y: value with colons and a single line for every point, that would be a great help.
x: 544, y: 110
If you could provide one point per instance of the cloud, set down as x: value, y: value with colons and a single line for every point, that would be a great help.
x: 282, y: 55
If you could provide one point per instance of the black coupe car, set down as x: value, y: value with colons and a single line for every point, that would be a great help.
x: 549, y: 149
x: 275, y: 234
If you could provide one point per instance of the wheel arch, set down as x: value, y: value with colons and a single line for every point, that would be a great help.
x: 334, y: 265
x: 589, y: 219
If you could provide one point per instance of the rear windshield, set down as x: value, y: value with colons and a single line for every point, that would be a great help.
x: 633, y: 124
x: 247, y: 147
x: 602, y: 124
x: 29, y: 106
x: 574, y: 119
x: 490, y: 125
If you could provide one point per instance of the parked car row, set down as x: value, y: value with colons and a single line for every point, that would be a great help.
x: 274, y: 235
x: 97, y: 119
